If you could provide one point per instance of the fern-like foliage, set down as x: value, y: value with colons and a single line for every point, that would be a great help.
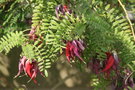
x: 11, y: 40
x: 105, y: 26
x: 107, y: 30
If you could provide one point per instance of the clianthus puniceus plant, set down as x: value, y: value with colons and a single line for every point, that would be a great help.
x: 94, y: 33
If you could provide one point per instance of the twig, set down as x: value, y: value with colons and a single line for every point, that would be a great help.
x: 127, y: 17
x: 128, y: 77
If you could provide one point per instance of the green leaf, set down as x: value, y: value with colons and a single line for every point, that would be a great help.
x: 46, y: 73
x: 107, y: 7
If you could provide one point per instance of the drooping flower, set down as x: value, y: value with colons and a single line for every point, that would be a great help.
x: 29, y: 68
x: 74, y: 49
x: 111, y: 63
x: 68, y: 51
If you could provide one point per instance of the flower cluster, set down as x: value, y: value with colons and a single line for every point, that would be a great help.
x: 111, y: 63
x: 74, y: 49
x: 29, y: 68
x: 106, y: 66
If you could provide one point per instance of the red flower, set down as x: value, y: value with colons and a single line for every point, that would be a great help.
x: 74, y: 49
x: 68, y: 51
x: 111, y: 63
x: 30, y: 68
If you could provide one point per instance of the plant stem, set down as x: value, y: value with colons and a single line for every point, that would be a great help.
x: 123, y: 7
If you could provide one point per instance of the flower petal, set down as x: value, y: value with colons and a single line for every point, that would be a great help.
x: 21, y: 66
x: 80, y: 45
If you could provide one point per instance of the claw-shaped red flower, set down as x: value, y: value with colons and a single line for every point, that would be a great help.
x: 30, y: 68
x: 111, y: 63
x: 74, y: 49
